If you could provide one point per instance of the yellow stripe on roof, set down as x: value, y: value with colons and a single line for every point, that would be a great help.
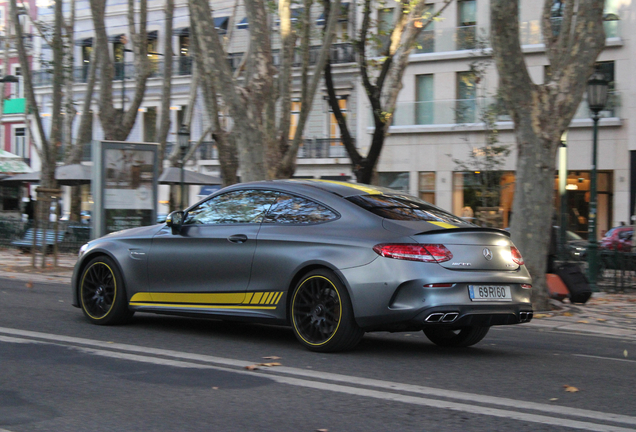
x: 364, y: 188
x: 443, y: 224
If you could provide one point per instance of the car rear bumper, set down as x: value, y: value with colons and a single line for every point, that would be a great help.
x: 390, y: 294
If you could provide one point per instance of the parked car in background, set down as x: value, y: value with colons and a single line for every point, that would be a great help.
x: 575, y: 245
x: 618, y: 238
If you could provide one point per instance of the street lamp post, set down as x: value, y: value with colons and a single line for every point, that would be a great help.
x: 563, y: 180
x: 597, y: 87
x: 183, y: 137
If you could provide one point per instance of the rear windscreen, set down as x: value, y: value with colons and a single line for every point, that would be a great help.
x: 406, y: 208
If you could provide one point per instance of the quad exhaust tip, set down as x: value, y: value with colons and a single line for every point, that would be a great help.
x: 444, y: 317
x: 525, y: 317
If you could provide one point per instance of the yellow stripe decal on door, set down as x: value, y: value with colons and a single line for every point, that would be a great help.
x: 208, y: 300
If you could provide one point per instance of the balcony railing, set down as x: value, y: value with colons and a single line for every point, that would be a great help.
x: 182, y: 65
x: 322, y: 148
x: 470, y: 111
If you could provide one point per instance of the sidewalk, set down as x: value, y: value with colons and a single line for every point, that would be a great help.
x: 604, y: 314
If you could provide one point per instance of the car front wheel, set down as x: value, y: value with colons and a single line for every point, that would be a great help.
x: 102, y: 293
x: 464, y: 337
x: 322, y: 315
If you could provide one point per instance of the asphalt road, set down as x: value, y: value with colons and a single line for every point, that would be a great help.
x: 60, y: 373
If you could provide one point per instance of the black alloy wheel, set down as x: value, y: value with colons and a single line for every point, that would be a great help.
x: 102, y: 295
x: 321, y: 313
x: 464, y: 337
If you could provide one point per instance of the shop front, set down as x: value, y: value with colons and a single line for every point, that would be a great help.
x: 486, y: 198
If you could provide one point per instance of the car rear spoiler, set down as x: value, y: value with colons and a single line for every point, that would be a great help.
x: 477, y: 229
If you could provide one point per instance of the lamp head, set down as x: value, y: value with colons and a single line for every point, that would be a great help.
x: 183, y: 137
x: 597, y: 87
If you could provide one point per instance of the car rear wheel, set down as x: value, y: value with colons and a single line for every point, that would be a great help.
x: 464, y: 337
x: 322, y: 315
x: 102, y: 293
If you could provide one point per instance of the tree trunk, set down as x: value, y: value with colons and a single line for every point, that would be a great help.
x: 246, y: 104
x: 541, y: 113
x: 117, y: 125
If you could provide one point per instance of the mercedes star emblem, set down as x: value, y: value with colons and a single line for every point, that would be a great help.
x: 487, y: 254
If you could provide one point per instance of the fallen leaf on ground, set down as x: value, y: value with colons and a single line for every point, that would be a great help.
x: 625, y: 353
x: 570, y: 389
x: 601, y: 319
x: 29, y: 284
x: 583, y: 322
x: 271, y: 358
x: 567, y: 314
x: 251, y: 367
x: 554, y: 399
x: 215, y: 388
x: 540, y: 315
x: 269, y: 364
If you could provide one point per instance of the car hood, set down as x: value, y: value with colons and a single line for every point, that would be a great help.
x: 139, y: 232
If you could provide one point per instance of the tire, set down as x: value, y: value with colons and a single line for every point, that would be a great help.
x: 463, y: 337
x: 322, y: 315
x: 102, y: 293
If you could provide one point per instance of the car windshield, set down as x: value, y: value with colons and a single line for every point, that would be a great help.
x: 404, y: 207
x: 572, y: 236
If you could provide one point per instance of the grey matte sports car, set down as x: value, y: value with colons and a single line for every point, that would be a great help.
x: 333, y: 260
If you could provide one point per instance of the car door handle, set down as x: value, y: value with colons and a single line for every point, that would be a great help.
x: 237, y: 238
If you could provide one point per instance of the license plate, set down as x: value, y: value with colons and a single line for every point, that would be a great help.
x: 489, y: 293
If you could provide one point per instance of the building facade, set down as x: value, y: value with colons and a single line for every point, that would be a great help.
x: 14, y: 134
x: 448, y: 116
x: 447, y: 120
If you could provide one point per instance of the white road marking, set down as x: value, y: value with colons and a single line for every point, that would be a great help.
x: 604, y: 358
x: 186, y: 360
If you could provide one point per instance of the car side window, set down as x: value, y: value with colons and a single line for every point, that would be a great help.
x: 240, y: 206
x: 289, y: 209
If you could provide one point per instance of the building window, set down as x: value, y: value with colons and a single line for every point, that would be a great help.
x: 336, y: 149
x: 17, y: 89
x: 87, y: 50
x: 466, y: 24
x: 153, y: 56
x: 19, y: 143
x: 398, y: 181
x: 119, y: 57
x: 465, y: 107
x: 426, y: 40
x: 424, y: 105
x: 484, y: 197
x: 385, y: 26
x: 293, y: 119
x: 185, y: 61
x: 427, y: 186
x: 150, y: 124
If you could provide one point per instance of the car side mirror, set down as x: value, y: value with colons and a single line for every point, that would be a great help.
x: 175, y: 220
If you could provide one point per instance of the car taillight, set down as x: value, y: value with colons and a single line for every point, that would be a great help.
x: 526, y: 286
x: 414, y: 252
x: 516, y: 255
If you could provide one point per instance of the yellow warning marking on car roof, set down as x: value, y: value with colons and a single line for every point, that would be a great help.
x: 443, y: 224
x: 364, y: 188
